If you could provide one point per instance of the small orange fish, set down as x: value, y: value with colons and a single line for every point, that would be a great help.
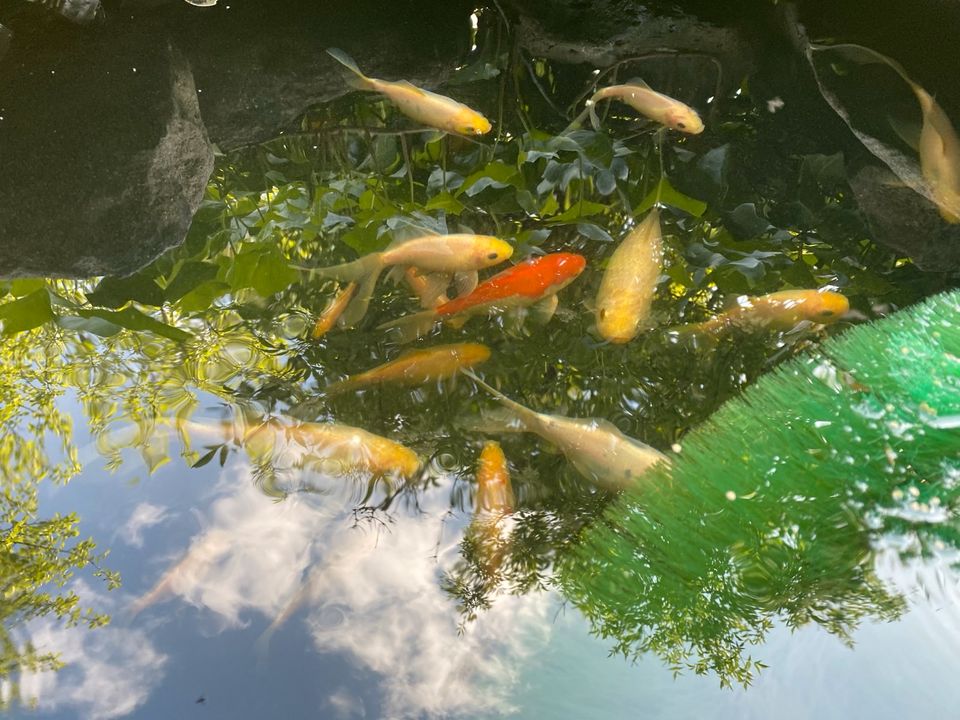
x: 494, y: 492
x: 489, y: 531
x: 331, y: 313
x: 418, y: 367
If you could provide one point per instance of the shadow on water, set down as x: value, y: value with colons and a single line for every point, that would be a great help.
x: 206, y: 361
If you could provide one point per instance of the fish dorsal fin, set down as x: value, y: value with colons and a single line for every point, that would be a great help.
x: 640, y: 82
x: 411, y: 87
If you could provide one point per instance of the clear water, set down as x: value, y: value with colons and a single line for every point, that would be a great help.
x: 293, y: 592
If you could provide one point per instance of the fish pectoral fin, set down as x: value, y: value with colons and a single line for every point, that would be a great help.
x: 544, y: 310
x: 640, y: 82
x: 466, y: 282
x: 907, y: 131
x: 435, y: 285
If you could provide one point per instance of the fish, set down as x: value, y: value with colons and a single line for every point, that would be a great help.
x: 626, y: 289
x: 939, y: 149
x: 460, y: 253
x: 417, y: 367
x: 531, y: 282
x: 427, y: 287
x: 488, y: 531
x: 595, y: 447
x: 938, y: 144
x: 332, y: 312
x: 494, y: 491
x: 648, y: 102
x: 781, y: 310
x: 429, y: 108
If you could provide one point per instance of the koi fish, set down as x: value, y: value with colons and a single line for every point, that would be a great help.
x: 437, y: 111
x: 494, y: 492
x: 649, y: 103
x: 332, y: 312
x: 488, y: 531
x: 532, y: 282
x: 939, y: 150
x: 626, y: 290
x: 418, y: 367
x: 426, y: 287
x: 462, y: 253
x: 777, y: 311
x: 595, y: 447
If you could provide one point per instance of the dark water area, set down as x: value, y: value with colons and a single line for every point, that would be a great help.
x: 196, y: 522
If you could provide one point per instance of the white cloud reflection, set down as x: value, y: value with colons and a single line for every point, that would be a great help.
x: 373, y: 598
x: 109, y: 671
x: 144, y: 516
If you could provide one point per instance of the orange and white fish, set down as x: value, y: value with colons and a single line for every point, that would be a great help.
x: 532, y: 282
x: 648, y: 102
x: 418, y: 367
x: 595, y: 447
x: 429, y: 108
x: 449, y: 254
x: 627, y: 287
x: 777, y: 311
x: 332, y: 312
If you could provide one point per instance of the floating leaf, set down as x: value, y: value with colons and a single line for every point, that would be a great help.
x: 26, y: 313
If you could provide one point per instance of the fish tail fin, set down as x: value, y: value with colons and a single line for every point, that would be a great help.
x: 357, y: 307
x: 261, y: 647
x: 413, y: 326
x: 353, y: 77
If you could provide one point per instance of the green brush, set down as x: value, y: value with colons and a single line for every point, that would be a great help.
x: 774, y: 509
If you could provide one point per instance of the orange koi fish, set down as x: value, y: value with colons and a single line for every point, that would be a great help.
x: 529, y: 283
x: 332, y: 312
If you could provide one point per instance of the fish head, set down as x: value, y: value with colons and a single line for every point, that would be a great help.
x: 683, y: 118
x: 469, y: 354
x: 825, y: 306
x: 615, y: 325
x: 489, y: 251
x: 566, y: 266
x: 470, y: 122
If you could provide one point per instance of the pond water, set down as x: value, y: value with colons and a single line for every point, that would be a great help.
x: 193, y: 525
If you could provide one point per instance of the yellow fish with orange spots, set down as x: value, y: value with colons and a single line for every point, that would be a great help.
x: 418, y: 367
x: 429, y: 108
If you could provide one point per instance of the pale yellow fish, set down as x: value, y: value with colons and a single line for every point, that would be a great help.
x: 429, y: 108
x: 332, y: 312
x: 458, y: 253
x: 648, y: 102
x: 418, y: 367
x: 627, y: 287
x: 939, y: 150
x: 777, y: 311
x: 595, y: 447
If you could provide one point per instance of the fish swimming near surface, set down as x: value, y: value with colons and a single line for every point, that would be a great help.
x: 651, y: 104
x: 417, y: 367
x: 627, y: 287
x: 781, y: 310
x: 489, y: 529
x: 445, y: 254
x: 332, y: 312
x: 431, y: 290
x: 429, y: 108
x: 595, y: 447
x: 533, y: 282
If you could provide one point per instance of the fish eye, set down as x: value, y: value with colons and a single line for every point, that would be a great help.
x: 492, y: 256
x: 603, y: 313
x: 681, y: 126
x: 470, y: 130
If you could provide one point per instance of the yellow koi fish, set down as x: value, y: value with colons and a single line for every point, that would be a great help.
x: 418, y: 367
x: 332, y: 312
x: 648, y: 102
x: 489, y: 529
x: 777, y: 311
x: 626, y: 290
x: 939, y: 150
x: 596, y: 448
x: 437, y: 111
x: 450, y: 254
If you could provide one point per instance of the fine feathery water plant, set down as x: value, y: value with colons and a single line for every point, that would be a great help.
x: 774, y: 509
